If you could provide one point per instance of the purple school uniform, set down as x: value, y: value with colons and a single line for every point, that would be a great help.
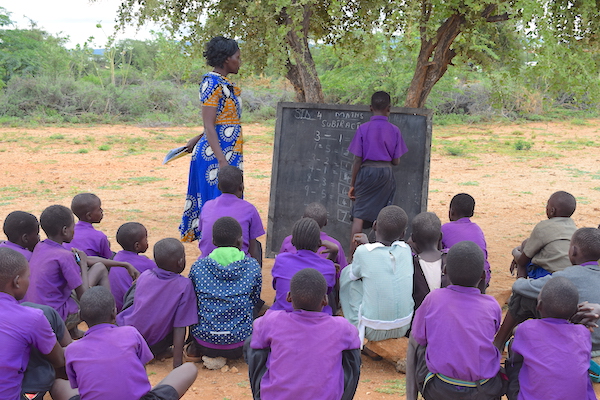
x: 16, y: 247
x: 288, y: 247
x: 54, y: 275
x: 163, y: 300
x: 108, y: 363
x: 228, y: 205
x: 120, y: 280
x: 463, y: 229
x: 287, y: 264
x: 20, y: 328
x: 378, y: 140
x: 556, y: 358
x: 89, y: 240
x: 305, y: 359
x: 458, y: 325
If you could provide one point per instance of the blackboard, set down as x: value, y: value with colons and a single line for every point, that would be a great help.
x: 311, y: 163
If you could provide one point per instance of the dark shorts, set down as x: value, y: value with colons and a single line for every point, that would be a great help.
x: 160, y: 392
x: 374, y: 189
x: 522, y: 308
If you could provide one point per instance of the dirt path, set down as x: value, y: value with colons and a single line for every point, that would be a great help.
x: 122, y: 165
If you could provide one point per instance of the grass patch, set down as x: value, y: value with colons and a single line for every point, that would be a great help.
x: 243, y: 384
x: 140, y: 180
x: 596, y: 188
x: 582, y: 200
x: 82, y: 151
x: 456, y: 151
x: 57, y: 136
x: 393, y: 386
x: 110, y: 187
x: 104, y: 147
x: 522, y: 145
x: 169, y: 195
x: 469, y: 183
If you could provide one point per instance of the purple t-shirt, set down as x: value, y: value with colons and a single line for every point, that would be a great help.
x: 89, y: 240
x: 20, y: 328
x: 306, y: 357
x: 378, y: 140
x: 120, y: 280
x: 108, y: 363
x: 458, y: 325
x: 556, y: 359
x: 228, y: 205
x: 16, y: 247
x: 54, y: 275
x: 463, y: 229
x: 288, y: 247
x: 287, y: 264
x: 163, y: 300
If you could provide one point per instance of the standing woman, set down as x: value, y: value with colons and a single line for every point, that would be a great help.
x: 221, y: 143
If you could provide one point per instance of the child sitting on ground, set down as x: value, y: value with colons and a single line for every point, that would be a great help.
x: 164, y: 303
x: 306, y: 238
x: 108, y: 362
x: 227, y: 285
x: 22, y: 231
x: 546, y: 250
x: 550, y: 357
x: 455, y: 328
x: 231, y: 204
x: 304, y: 353
x: 133, y: 238
x: 376, y: 288
x: 461, y: 228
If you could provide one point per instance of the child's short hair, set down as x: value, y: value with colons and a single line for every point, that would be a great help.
x: 230, y: 178
x: 564, y: 202
x: 129, y: 233
x: 588, y: 242
x: 84, y: 203
x: 464, y: 264
x: 318, y: 212
x: 559, y: 298
x: 463, y: 205
x: 226, y: 232
x: 167, y: 252
x: 19, y: 223
x: 54, y: 218
x: 426, y: 228
x: 306, y: 234
x: 97, y: 305
x: 12, y: 263
x: 391, y: 222
x: 380, y: 100
x: 308, y: 288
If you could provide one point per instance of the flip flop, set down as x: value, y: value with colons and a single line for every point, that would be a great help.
x: 187, y: 357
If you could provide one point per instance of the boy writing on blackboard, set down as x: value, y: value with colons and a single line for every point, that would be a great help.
x: 377, y: 146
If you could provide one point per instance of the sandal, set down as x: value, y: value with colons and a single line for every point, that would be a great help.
x: 187, y: 357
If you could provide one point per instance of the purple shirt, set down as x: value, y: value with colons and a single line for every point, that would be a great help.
x: 463, y: 229
x: 306, y: 357
x: 288, y: 247
x: 228, y: 205
x: 458, y: 325
x: 54, y: 275
x: 16, y: 247
x: 163, y: 300
x: 287, y: 264
x: 378, y: 140
x: 89, y: 240
x: 120, y: 280
x: 108, y: 363
x: 20, y: 328
x: 556, y: 358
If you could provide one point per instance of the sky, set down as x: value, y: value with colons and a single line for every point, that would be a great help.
x: 74, y: 18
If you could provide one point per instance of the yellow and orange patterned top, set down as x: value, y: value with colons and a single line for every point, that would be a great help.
x: 218, y: 91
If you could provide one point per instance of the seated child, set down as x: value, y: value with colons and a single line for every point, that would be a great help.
x: 164, y: 303
x: 454, y: 329
x: 304, y: 354
x: 108, y: 362
x: 376, y: 288
x: 21, y: 328
x: 461, y: 228
x: 231, y: 204
x: 88, y: 208
x: 306, y: 238
x: 22, y: 231
x: 550, y: 357
x: 227, y: 285
x: 546, y: 250
x: 133, y: 238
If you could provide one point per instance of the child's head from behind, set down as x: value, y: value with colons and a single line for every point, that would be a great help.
x: 22, y: 228
x: 426, y: 229
x: 381, y: 102
x: 97, y: 306
x: 561, y: 204
x: 308, y: 290
x: 318, y: 212
x: 464, y: 264
x: 306, y: 235
x: 227, y: 232
x: 390, y: 224
x: 558, y: 299
x: 169, y: 254
x: 462, y: 205
x: 58, y: 222
x: 231, y: 180
x: 133, y: 236
x: 14, y: 273
x: 585, y: 246
x: 87, y: 207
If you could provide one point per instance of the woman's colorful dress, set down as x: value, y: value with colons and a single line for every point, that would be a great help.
x: 215, y: 91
